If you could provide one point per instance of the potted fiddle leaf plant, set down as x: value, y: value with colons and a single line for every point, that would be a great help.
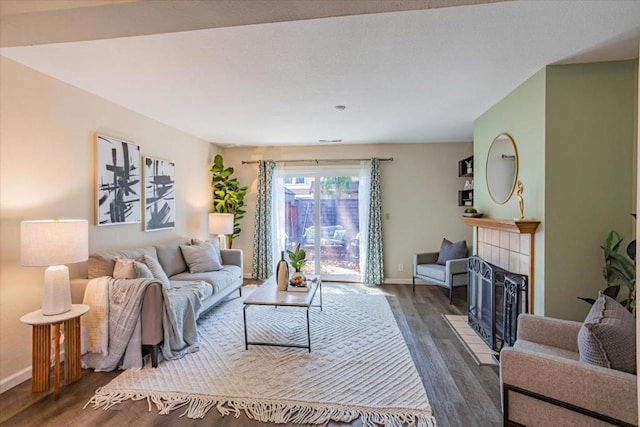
x: 228, y: 194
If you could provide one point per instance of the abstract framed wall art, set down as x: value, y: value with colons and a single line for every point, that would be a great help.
x: 118, y: 185
x: 159, y: 194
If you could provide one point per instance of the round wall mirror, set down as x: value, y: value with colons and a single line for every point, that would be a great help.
x: 502, y: 168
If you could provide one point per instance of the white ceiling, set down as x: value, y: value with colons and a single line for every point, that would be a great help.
x: 407, y: 76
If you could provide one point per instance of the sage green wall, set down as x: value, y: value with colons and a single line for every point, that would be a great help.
x: 590, y: 162
x: 575, y: 131
x: 521, y: 115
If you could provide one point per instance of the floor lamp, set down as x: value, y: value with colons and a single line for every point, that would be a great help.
x: 221, y: 224
x: 51, y: 244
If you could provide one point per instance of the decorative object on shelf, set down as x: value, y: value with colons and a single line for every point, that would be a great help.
x: 502, y: 168
x: 159, y: 194
x: 228, y: 195
x: 465, y: 167
x: 465, y: 198
x: 519, y: 189
x: 221, y: 224
x: 117, y: 182
x: 472, y: 213
x: 282, y: 273
x: 53, y: 243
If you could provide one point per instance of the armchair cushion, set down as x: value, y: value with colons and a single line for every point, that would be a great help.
x: 449, y: 251
x: 608, y: 336
x: 434, y: 271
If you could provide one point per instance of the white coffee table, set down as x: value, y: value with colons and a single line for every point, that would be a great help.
x: 268, y: 294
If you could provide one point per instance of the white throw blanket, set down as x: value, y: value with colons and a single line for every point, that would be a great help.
x: 95, y: 324
x: 112, y: 334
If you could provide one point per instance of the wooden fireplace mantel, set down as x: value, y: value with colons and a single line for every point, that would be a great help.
x: 507, y: 243
x: 525, y: 226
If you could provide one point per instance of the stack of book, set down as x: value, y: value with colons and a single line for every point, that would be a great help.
x: 292, y: 288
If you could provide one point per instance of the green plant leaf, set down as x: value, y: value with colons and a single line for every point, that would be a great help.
x: 612, y: 291
x: 631, y: 250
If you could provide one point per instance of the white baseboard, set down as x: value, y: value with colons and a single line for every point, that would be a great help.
x: 15, y: 379
x: 21, y: 376
x: 397, y: 281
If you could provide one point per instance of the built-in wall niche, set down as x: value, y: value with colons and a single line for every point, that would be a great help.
x: 508, y: 244
x: 465, y: 170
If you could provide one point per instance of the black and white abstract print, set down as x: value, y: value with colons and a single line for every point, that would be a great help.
x: 159, y: 194
x: 118, y: 181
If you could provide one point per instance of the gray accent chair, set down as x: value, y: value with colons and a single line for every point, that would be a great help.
x: 544, y: 383
x: 452, y: 274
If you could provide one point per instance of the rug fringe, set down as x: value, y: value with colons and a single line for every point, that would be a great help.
x: 266, y: 411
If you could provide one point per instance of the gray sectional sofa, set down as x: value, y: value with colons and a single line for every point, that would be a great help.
x: 169, y: 255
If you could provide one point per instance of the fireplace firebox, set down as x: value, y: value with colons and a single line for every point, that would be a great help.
x: 496, y: 297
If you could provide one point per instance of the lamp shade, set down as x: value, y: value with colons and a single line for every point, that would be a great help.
x: 220, y: 223
x: 53, y: 242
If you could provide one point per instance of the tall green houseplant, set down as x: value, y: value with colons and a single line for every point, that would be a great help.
x: 619, y: 270
x: 228, y: 195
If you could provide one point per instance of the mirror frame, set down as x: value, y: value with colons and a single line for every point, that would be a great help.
x: 517, y: 166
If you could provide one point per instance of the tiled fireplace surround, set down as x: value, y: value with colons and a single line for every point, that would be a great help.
x: 506, y: 249
x: 508, y: 244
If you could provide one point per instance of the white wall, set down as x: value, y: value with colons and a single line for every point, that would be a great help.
x: 47, y: 171
x: 419, y: 193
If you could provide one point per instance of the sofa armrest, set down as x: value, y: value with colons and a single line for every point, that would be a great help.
x: 602, y: 390
x: 549, y: 331
x: 456, y: 266
x: 232, y: 257
x: 78, y: 287
x: 151, y: 315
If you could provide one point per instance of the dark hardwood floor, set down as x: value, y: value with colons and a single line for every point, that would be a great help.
x: 460, y: 392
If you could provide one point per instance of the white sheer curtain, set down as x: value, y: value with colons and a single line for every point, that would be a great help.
x: 277, y: 220
x: 363, y: 213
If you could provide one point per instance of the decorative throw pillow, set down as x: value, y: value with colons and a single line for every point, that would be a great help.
x: 216, y: 246
x: 608, y: 336
x: 157, y: 271
x: 142, y: 271
x: 201, y: 258
x: 124, y: 269
x: 449, y: 250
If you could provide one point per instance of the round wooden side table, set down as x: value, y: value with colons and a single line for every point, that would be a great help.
x: 41, y: 347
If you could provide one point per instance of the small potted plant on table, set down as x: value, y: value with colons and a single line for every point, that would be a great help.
x: 298, y: 259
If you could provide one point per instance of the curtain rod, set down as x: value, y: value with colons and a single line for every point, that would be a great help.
x: 250, y: 162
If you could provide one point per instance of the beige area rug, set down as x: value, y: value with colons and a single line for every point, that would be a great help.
x: 359, y: 367
x: 482, y: 354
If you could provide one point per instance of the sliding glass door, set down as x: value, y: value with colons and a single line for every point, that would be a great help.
x: 321, y: 213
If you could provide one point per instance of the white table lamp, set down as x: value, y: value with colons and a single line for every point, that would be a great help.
x: 52, y: 243
x: 221, y: 224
